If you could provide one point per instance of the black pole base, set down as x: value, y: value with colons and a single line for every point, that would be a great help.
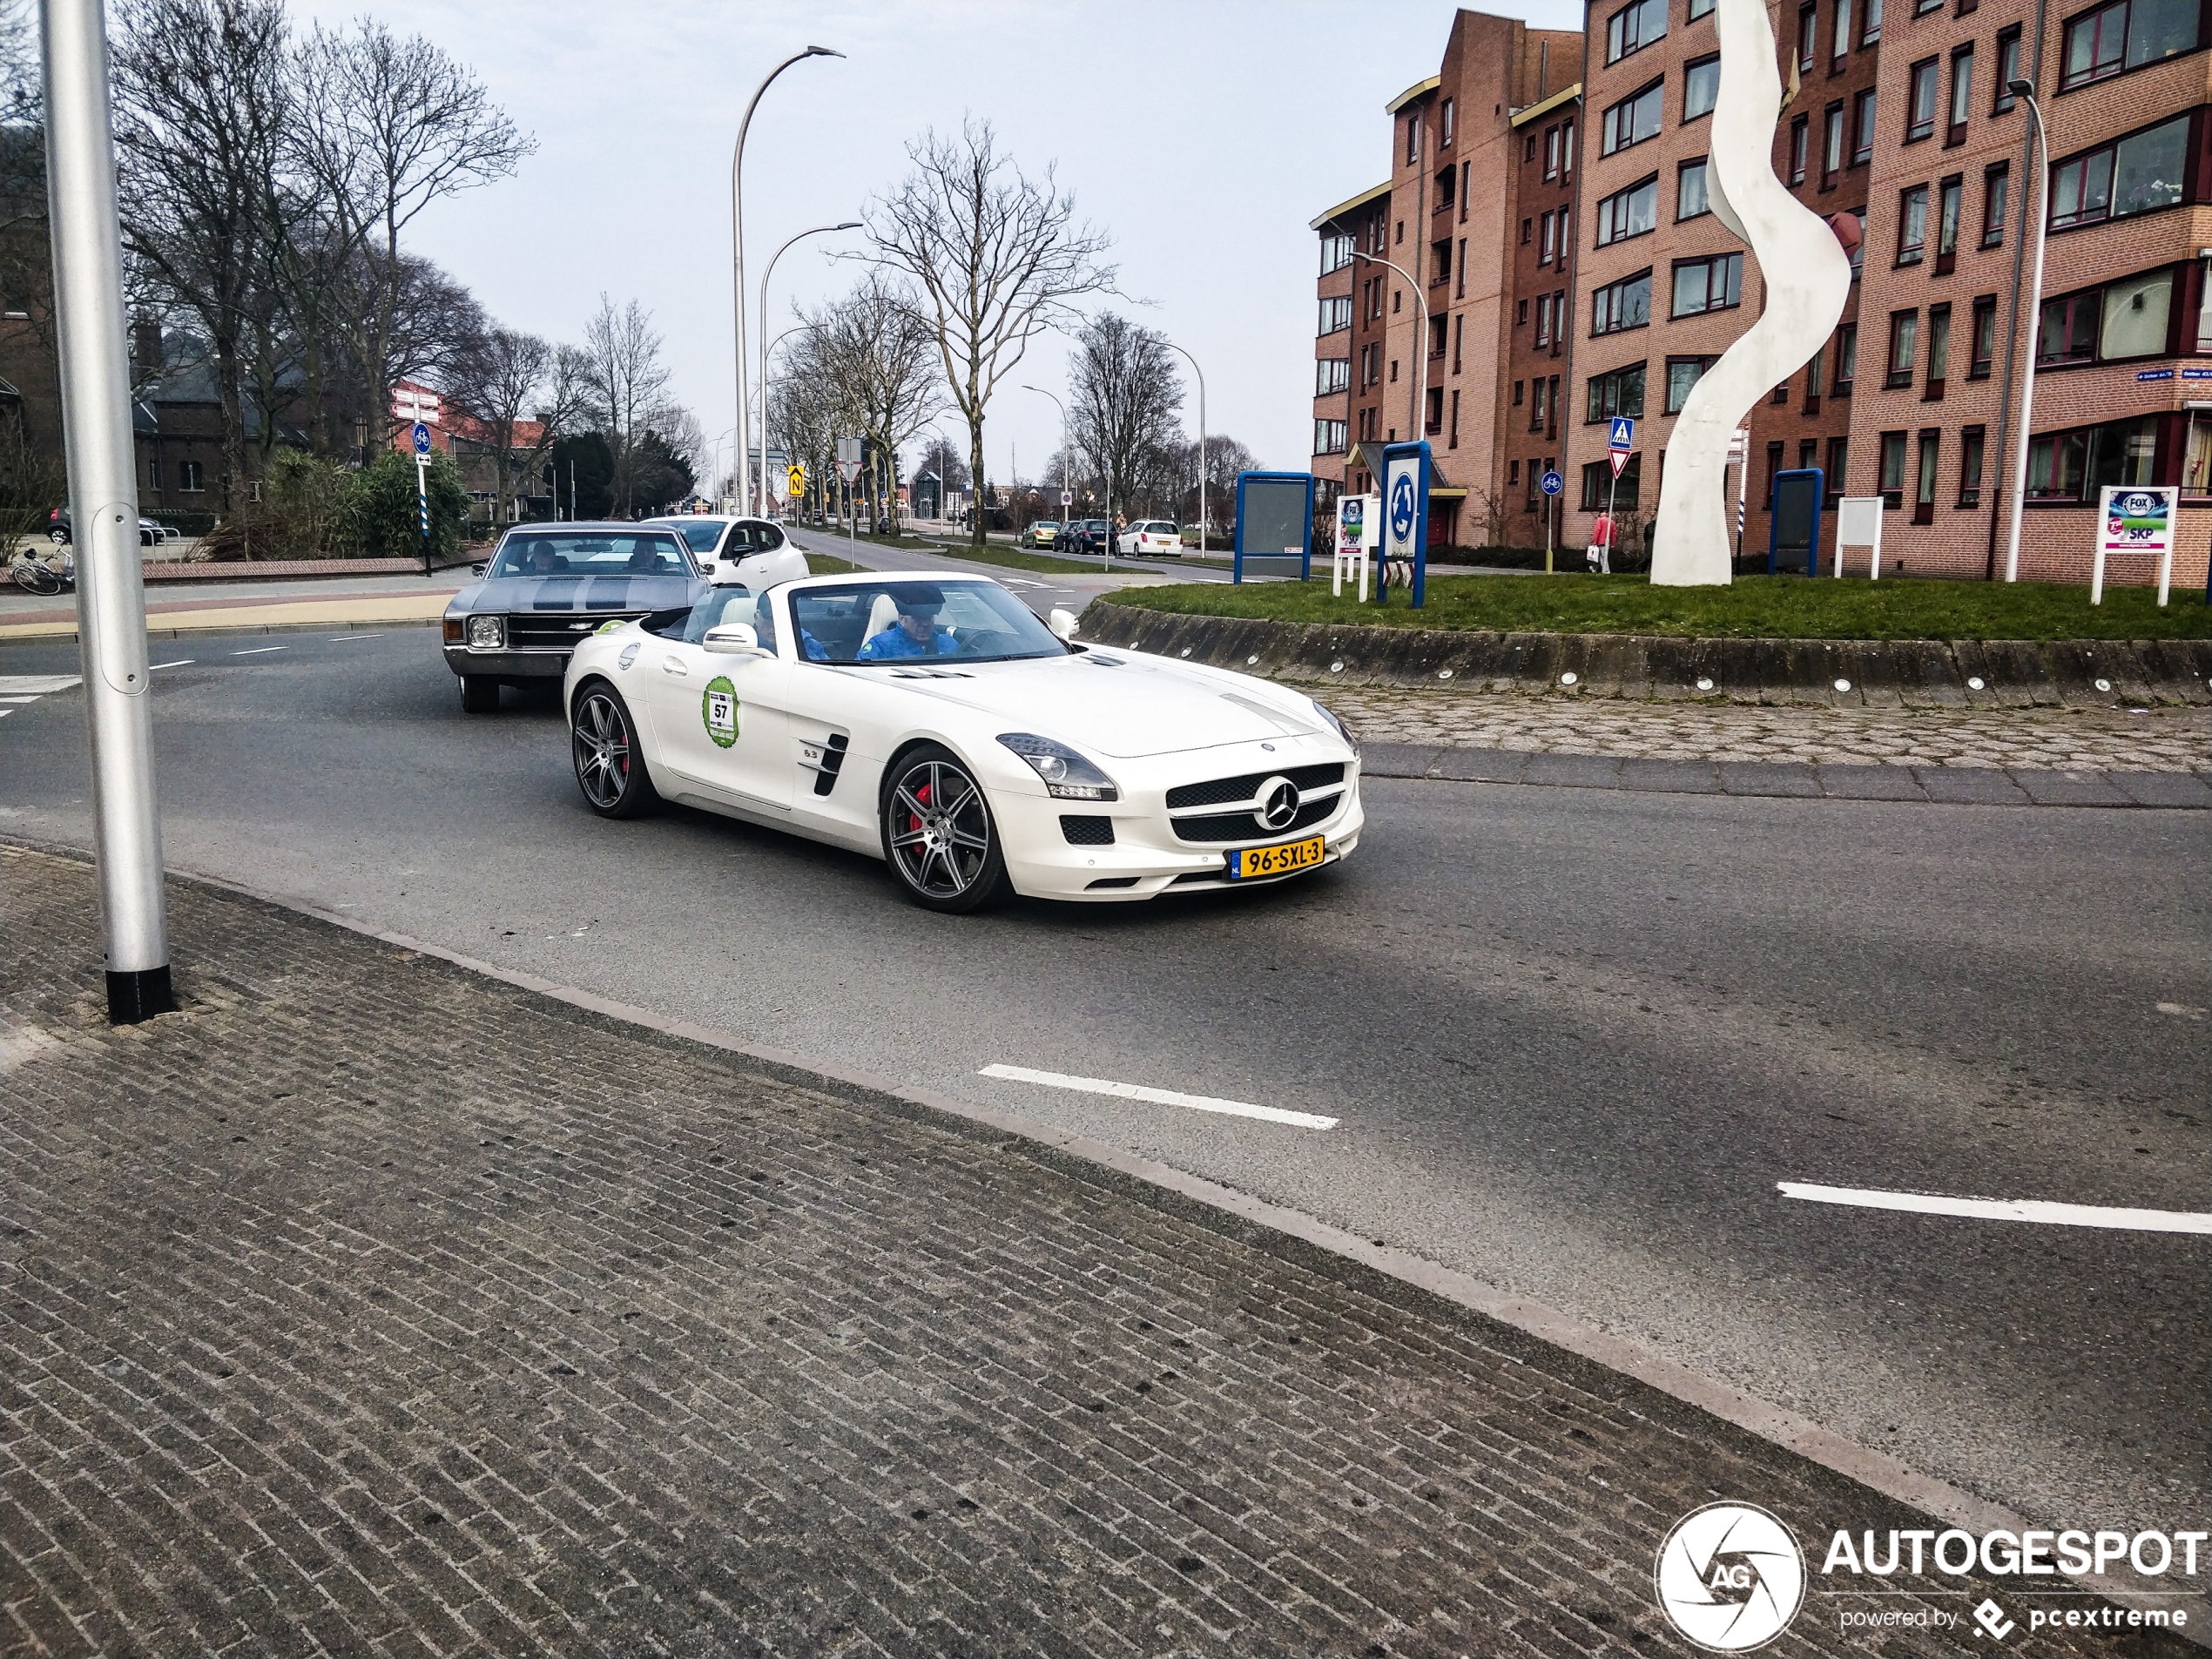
x: 140, y: 995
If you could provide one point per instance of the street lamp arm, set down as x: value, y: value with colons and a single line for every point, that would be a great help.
x: 1201, y: 374
x: 1420, y: 346
x: 819, y: 230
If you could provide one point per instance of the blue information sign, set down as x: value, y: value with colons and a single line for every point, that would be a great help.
x: 421, y: 439
x: 1624, y: 434
x: 1551, y: 483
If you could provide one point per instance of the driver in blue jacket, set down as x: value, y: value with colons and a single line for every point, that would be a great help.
x: 915, y: 633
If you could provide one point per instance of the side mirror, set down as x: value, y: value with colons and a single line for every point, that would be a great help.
x: 733, y: 639
x: 1061, y: 622
x: 479, y: 567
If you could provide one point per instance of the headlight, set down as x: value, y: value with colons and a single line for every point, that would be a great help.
x: 487, y: 633
x: 1067, y: 774
x: 1335, y: 725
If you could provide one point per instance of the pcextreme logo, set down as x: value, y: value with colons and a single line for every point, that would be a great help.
x: 1730, y: 1577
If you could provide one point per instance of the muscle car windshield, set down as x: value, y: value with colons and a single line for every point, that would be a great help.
x: 593, y: 553
x: 904, y: 620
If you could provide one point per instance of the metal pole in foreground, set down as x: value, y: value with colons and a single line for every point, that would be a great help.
x: 1201, y: 374
x: 103, y: 508
x: 2026, y: 93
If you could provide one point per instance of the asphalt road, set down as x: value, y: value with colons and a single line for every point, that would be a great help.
x: 1574, y: 1038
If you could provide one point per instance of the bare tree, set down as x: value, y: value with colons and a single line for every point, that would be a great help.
x: 1122, y: 395
x: 940, y: 457
x: 517, y: 387
x: 878, y: 362
x: 387, y: 127
x: 998, y: 258
x: 626, y: 384
x: 203, y: 101
x: 1224, y: 458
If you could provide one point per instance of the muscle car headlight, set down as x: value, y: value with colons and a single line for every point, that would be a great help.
x: 487, y: 633
x: 1067, y: 774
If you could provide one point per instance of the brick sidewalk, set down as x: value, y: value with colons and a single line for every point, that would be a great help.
x: 368, y: 1306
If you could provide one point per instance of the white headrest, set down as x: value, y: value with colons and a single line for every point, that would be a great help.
x: 884, y: 613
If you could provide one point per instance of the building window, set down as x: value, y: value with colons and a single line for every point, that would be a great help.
x: 1543, y: 321
x: 1970, y: 463
x: 1539, y: 406
x: 1336, y: 312
x: 1708, y: 285
x: 1634, y: 118
x: 2137, y: 174
x: 1444, y: 179
x: 1528, y: 148
x: 1863, y: 140
x: 1948, y: 199
x: 2068, y: 332
x: 1872, y: 32
x: 1601, y: 489
x: 1841, y: 49
x: 1521, y: 313
x: 192, y: 478
x: 1458, y: 339
x: 1938, y: 352
x: 1440, y: 263
x: 1920, y: 105
x: 1800, y: 147
x: 2074, y: 466
x: 1516, y: 393
x: 1329, y: 438
x: 1634, y: 27
x: 1336, y: 254
x: 1465, y: 169
x: 1904, y: 347
x: 1808, y: 34
x: 1773, y: 466
x: 1619, y: 392
x: 1912, y: 225
x: 1700, y: 9
x: 1816, y: 376
x: 1462, y: 289
x: 1625, y: 303
x: 1432, y: 415
x: 1414, y: 138
x: 1544, y: 241
x: 2126, y: 34
x: 154, y: 475
x: 1331, y: 374
x: 1700, y: 88
x: 1996, y: 193
x: 2113, y: 323
x: 1858, y: 254
x: 1437, y: 340
x: 1633, y: 212
x: 1831, y: 146
x: 1923, y: 494
x: 1846, y: 358
x: 2008, y: 68
x: 1455, y: 439
x: 1566, y: 150
x: 1551, y: 153
x: 1526, y: 230
x: 1892, y: 483
x: 1689, y: 190
x: 1838, y: 462
x: 1445, y: 135
x: 1981, y: 349
x: 1683, y: 373
x: 1394, y: 371
x: 1962, y: 89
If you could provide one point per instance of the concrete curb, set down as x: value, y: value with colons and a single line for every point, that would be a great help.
x: 1946, y: 785
x: 1254, y: 1221
x: 1836, y: 673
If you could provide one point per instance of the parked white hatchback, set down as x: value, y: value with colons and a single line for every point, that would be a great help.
x: 756, y: 548
x: 936, y: 722
x: 1153, y: 537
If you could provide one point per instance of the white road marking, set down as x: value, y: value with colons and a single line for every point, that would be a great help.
x: 260, y: 650
x: 2036, y: 1210
x: 1158, y: 1096
x: 334, y: 638
x: 182, y: 662
x: 18, y: 699
x: 37, y: 685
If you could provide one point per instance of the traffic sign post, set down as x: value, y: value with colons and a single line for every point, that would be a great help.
x: 1404, y: 506
x: 422, y: 487
x: 1551, y: 484
x: 1619, y: 441
x: 795, y: 483
x: 848, y: 469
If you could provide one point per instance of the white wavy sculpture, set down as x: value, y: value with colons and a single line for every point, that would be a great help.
x: 1808, y: 279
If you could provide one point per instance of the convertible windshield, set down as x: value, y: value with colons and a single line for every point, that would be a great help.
x: 593, y: 553
x: 903, y: 620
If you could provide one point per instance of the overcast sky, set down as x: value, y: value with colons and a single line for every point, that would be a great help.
x: 1202, y: 136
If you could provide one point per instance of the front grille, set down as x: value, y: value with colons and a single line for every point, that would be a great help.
x: 1222, y: 790
x: 557, y: 631
x: 1083, y: 830
x: 1242, y: 827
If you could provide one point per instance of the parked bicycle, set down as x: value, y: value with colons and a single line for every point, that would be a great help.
x: 45, y: 573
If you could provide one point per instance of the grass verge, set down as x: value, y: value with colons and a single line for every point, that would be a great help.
x: 1013, y: 558
x: 823, y: 564
x: 1750, y: 608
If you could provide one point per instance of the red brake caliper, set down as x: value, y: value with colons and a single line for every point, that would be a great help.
x: 921, y: 795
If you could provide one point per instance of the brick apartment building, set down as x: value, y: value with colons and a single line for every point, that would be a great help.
x: 1344, y: 333
x: 1901, y: 121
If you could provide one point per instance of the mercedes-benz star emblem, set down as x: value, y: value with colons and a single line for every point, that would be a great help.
x: 1279, y: 803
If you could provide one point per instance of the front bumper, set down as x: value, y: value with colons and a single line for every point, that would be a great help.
x: 508, y: 664
x: 1146, y: 853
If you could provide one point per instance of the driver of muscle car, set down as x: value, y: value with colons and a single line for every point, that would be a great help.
x: 915, y: 633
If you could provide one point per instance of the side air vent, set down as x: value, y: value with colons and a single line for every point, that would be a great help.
x: 825, y: 762
x: 1084, y: 830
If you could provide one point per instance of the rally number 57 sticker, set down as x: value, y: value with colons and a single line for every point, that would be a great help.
x: 718, y: 708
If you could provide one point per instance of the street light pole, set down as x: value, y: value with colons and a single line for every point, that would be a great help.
x: 1420, y: 346
x: 103, y: 508
x: 819, y: 230
x: 2026, y: 93
x: 1201, y: 374
x: 737, y: 261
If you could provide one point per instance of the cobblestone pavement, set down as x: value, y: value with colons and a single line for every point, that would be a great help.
x: 368, y: 1306
x: 2162, y: 740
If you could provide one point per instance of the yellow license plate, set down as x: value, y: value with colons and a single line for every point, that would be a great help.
x: 1275, y: 861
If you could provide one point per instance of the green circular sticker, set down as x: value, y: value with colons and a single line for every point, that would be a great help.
x: 718, y: 708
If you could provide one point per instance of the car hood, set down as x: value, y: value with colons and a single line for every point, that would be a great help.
x: 512, y: 595
x: 1116, y: 704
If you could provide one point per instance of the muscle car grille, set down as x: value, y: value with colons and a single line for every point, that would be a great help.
x: 1242, y: 827
x: 560, y: 630
x: 1223, y: 789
